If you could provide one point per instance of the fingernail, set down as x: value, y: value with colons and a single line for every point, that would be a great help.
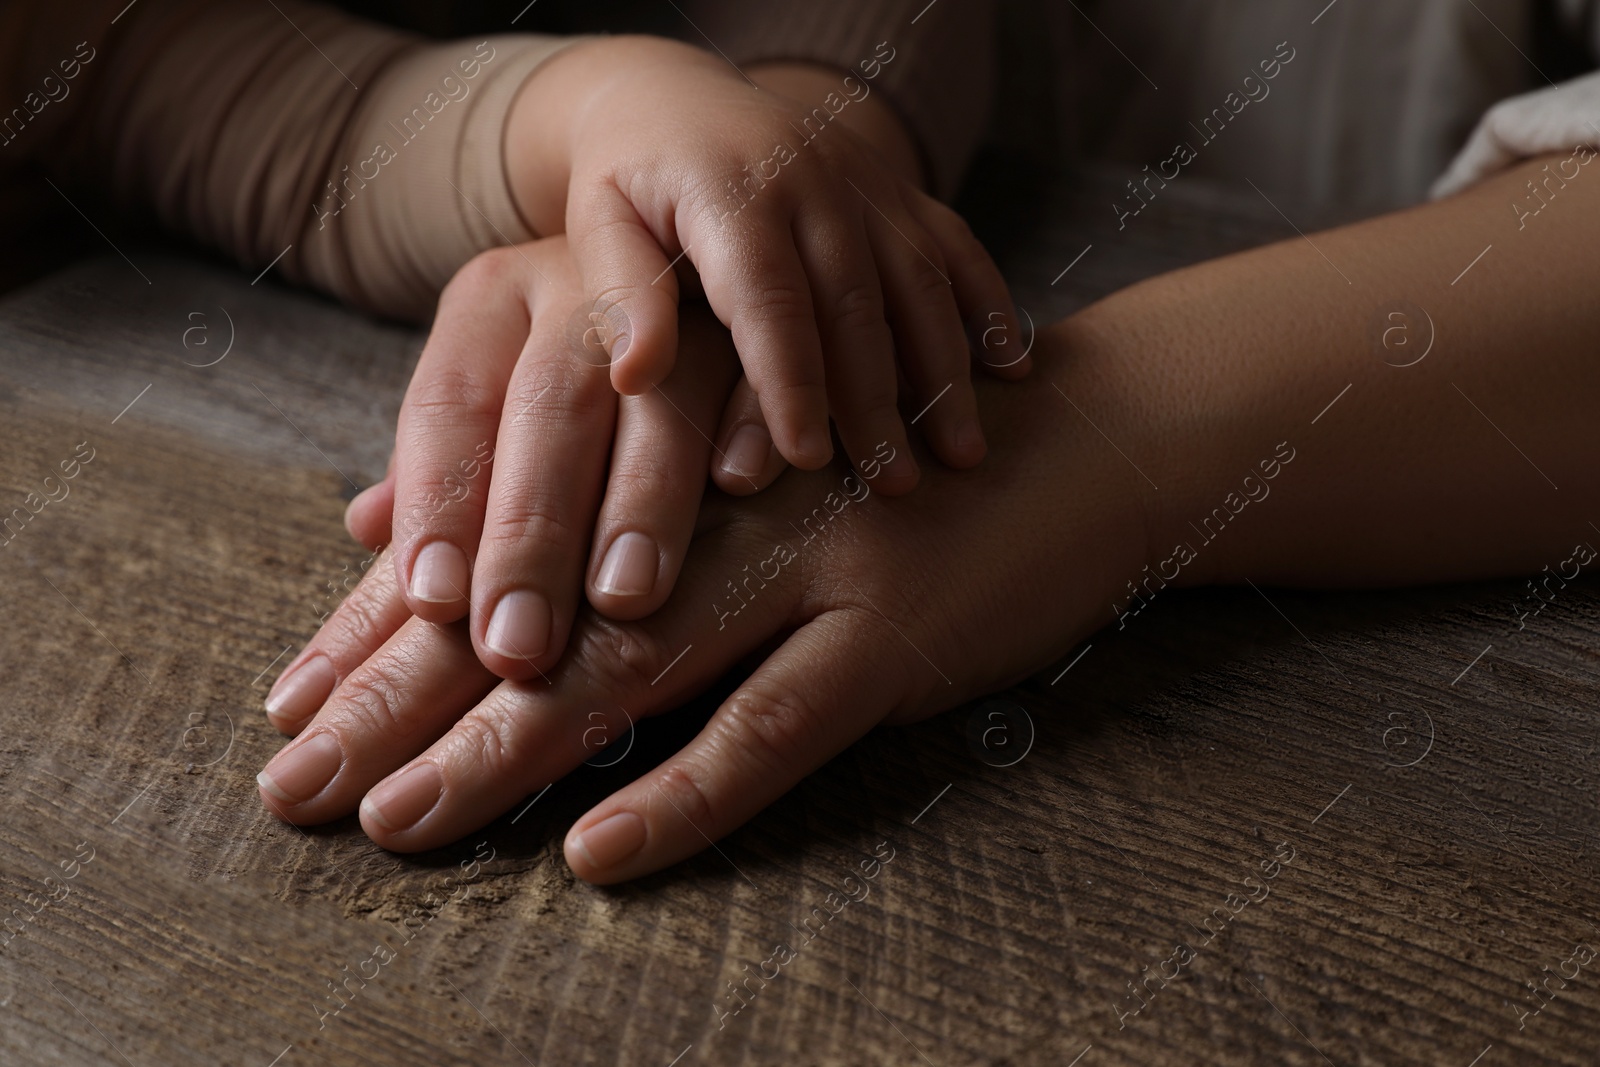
x: 748, y: 452
x: 439, y: 574
x: 621, y: 331
x: 300, y: 691
x: 520, y: 625
x: 902, y: 467
x: 969, y: 439
x: 302, y: 770
x: 403, y: 800
x: 630, y: 566
x: 815, y: 444
x: 610, y: 841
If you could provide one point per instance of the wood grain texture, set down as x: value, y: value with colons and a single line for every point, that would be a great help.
x: 1430, y: 765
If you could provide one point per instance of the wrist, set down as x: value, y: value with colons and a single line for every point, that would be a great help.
x: 538, y: 138
x: 1089, y: 434
x: 870, y: 117
x: 1219, y: 383
x: 1192, y: 439
x: 552, y: 110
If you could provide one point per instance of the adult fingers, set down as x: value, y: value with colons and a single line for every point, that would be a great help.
x: 657, y: 478
x: 929, y: 337
x: 389, y: 708
x: 857, y: 345
x: 550, y: 462
x: 369, y: 517
x: 523, y: 737
x: 447, y: 429
x: 783, y: 723
x: 632, y: 290
x: 980, y: 290
x: 744, y: 460
x: 757, y: 286
x: 367, y: 618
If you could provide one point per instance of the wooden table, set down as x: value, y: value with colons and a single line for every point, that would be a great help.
x: 1407, y: 779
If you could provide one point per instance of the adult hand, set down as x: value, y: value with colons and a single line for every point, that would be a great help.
x: 899, y: 609
x: 499, y: 490
x: 902, y: 607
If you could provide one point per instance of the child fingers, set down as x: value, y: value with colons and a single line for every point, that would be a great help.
x: 762, y: 294
x: 858, y: 349
x: 744, y: 461
x: 980, y: 291
x: 550, y: 464
x: 657, y: 477
x: 447, y: 429
x: 630, y: 282
x: 929, y: 339
x: 783, y: 723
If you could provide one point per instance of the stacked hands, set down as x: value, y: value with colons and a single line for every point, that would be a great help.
x: 555, y: 565
x: 544, y: 496
x: 903, y: 608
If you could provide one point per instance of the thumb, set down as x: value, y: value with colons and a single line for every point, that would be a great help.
x: 369, y: 515
x: 824, y: 688
x: 631, y: 286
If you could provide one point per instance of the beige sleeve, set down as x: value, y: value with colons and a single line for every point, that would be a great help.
x: 368, y: 159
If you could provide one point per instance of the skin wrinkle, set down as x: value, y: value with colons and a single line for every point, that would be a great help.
x: 375, y: 696
x: 397, y: 677
x: 495, y: 734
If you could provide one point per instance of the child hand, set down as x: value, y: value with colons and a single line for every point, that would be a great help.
x: 827, y: 268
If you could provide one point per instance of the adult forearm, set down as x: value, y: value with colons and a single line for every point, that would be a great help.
x: 367, y: 164
x: 1441, y: 419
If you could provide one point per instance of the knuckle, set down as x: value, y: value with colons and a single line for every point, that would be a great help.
x: 431, y: 508
x: 371, y: 699
x: 767, y: 726
x: 560, y: 395
x: 491, y: 269
x: 490, y: 739
x: 634, y: 486
x: 859, y: 307
x: 929, y: 281
x: 680, y: 782
x: 527, y: 514
x: 776, y: 303
x: 353, y: 626
x: 641, y: 472
x: 837, y: 156
x: 450, y: 396
x: 622, y: 658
